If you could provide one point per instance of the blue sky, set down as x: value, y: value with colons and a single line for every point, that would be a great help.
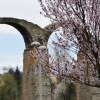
x: 11, y: 48
x: 11, y: 42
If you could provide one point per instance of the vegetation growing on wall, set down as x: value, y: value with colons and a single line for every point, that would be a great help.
x: 69, y: 93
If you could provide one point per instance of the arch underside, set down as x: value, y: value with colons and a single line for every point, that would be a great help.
x: 28, y: 30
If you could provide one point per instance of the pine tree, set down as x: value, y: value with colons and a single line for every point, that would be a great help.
x: 18, y: 78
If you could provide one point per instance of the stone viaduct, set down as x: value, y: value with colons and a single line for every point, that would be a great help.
x: 31, y: 32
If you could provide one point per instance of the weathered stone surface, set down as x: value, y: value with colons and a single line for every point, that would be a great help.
x: 31, y: 78
x: 26, y: 87
x: 84, y: 92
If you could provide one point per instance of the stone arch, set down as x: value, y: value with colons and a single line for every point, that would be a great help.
x: 28, y: 30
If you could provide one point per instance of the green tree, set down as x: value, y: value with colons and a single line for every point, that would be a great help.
x: 11, y: 71
x: 8, y: 90
x: 18, y: 78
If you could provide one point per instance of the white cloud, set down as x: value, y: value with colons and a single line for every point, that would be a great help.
x: 23, y: 9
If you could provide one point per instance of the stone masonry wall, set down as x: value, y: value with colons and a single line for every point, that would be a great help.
x: 28, y: 62
x: 31, y: 79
